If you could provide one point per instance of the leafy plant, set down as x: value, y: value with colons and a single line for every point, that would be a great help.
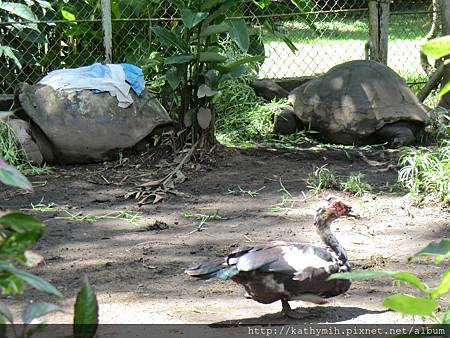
x: 426, y: 172
x: 196, y: 63
x: 424, y: 304
x: 355, y: 184
x: 323, y: 178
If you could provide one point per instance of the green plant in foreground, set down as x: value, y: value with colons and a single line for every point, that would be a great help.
x: 19, y: 232
x: 426, y: 304
x: 323, y: 178
x: 355, y: 185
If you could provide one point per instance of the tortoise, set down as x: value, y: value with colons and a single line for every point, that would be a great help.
x: 85, y: 126
x: 357, y: 102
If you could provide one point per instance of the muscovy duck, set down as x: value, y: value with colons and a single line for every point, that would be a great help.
x: 287, y: 270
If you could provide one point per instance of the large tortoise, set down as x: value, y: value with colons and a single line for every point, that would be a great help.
x: 358, y: 102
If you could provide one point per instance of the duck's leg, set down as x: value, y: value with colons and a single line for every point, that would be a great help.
x: 294, y: 314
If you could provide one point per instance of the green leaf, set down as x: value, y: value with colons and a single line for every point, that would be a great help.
x: 38, y: 310
x: 244, y: 60
x: 364, y: 275
x: 177, y: 59
x: 410, y: 305
x: 437, y: 48
x: 446, y: 317
x: 6, y: 313
x: 86, y: 312
x: 214, y: 29
x: 205, y: 5
x: 444, y: 90
x: 211, y: 57
x: 11, y: 176
x: 21, y: 223
x: 239, y: 33
x: 18, y: 9
x: 191, y: 18
x: 32, y: 280
x: 174, y: 78
x: 439, y: 250
x: 170, y: 39
x: 443, y: 287
x: 205, y: 91
x: 6, y: 114
x: 11, y: 53
x: 68, y: 15
x: 224, y: 7
x: 357, y: 275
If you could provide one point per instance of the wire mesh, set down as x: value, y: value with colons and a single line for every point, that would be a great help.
x: 39, y: 36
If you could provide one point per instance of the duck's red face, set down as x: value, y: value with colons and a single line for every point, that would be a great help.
x: 340, y: 207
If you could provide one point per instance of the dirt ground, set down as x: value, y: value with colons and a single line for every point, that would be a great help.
x: 137, y: 268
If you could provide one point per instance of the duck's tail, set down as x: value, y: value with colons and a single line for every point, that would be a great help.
x: 212, y: 270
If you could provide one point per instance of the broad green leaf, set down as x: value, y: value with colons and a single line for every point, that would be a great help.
x: 244, y: 60
x: 239, y: 33
x: 410, y: 305
x: 211, y: 57
x: 357, y: 275
x: 191, y: 18
x: 68, y: 15
x: 174, y: 78
x: 170, y: 39
x: 18, y: 9
x: 364, y: 275
x: 439, y: 250
x: 177, y: 59
x: 11, y: 176
x: 224, y: 7
x: 11, y: 53
x: 86, y: 312
x: 32, y: 280
x: 205, y: 5
x: 204, y: 90
x: 38, y: 310
x: 446, y: 317
x: 21, y: 223
x: 437, y: 48
x: 444, y: 90
x: 214, y: 29
x: 443, y: 287
x: 6, y: 313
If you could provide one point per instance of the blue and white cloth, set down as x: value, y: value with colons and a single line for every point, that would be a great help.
x: 117, y: 79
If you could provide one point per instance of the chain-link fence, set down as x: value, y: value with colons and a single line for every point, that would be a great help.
x: 38, y: 36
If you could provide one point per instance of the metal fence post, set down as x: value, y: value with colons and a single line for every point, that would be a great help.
x: 107, y: 29
x: 378, y: 30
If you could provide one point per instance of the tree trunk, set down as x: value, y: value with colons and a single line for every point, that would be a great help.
x: 435, y: 29
x: 445, y: 10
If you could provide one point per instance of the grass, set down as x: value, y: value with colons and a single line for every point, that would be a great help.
x: 242, y: 191
x: 355, y: 185
x: 13, y: 153
x: 130, y: 217
x: 203, y: 218
x: 323, y: 178
x: 246, y: 120
x: 334, y: 27
x: 426, y: 172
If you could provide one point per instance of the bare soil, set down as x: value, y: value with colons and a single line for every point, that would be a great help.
x: 137, y: 268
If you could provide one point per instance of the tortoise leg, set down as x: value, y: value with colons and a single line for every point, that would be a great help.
x: 397, y: 134
x: 294, y: 314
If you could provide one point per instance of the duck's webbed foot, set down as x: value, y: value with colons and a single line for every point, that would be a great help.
x: 295, y: 314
